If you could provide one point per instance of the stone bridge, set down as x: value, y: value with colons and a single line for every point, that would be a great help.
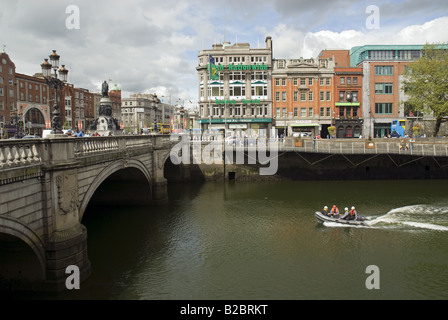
x: 47, y: 184
x: 45, y: 187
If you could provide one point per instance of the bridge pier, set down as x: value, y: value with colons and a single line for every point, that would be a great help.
x: 66, y: 241
x: 66, y: 248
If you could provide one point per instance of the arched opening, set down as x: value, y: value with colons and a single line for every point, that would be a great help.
x: 348, y: 132
x: 182, y: 172
x: 20, y: 268
x: 34, y: 122
x: 125, y: 186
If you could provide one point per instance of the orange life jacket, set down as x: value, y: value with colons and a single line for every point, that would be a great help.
x: 352, y: 212
x: 334, y: 210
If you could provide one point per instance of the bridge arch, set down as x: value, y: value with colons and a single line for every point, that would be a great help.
x: 15, y: 228
x: 108, y: 172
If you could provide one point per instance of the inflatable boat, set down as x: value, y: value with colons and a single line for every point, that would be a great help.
x: 324, y: 218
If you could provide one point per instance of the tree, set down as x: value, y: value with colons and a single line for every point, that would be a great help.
x: 426, y: 83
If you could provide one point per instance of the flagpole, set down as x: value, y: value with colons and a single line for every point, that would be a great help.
x: 208, y: 96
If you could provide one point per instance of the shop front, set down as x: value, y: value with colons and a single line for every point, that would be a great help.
x: 348, y: 128
x: 255, y: 126
x: 304, y: 128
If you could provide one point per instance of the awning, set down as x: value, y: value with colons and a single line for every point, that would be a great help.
x: 304, y: 125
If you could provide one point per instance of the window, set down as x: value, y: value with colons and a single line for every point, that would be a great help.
x: 328, y: 95
x: 237, y: 76
x: 283, y: 82
x: 322, y: 95
x: 349, y: 80
x: 277, y: 82
x: 296, y: 110
x: 321, y: 81
x: 277, y: 96
x: 355, y: 80
x: 310, y: 81
x: 303, y: 112
x: 302, y: 81
x: 355, y: 96
x: 328, y: 112
x: 310, y: 96
x: 341, y: 95
x: 342, y: 80
x: 295, y: 96
x: 322, y: 110
x: 384, y: 70
x: 259, y: 90
x: 283, y: 96
x: 284, y: 112
x: 295, y: 82
x: 277, y: 112
x: 383, y: 88
x: 234, y: 91
x: 383, y: 108
x: 303, y: 96
x: 310, y: 111
x: 328, y: 81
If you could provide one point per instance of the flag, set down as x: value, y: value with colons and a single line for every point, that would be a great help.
x: 214, y: 74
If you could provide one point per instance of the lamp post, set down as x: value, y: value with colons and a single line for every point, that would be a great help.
x: 56, y: 83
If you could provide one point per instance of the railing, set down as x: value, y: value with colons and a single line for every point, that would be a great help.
x: 352, y: 146
x: 18, y: 153
x: 428, y: 147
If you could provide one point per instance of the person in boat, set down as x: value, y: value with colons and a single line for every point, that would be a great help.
x: 346, y: 213
x: 325, y: 211
x: 353, y: 214
x: 334, y: 212
x: 350, y: 215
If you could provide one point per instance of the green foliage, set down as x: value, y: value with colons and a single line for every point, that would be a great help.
x: 426, y: 83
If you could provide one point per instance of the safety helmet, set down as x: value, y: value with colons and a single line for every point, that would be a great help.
x: 345, y: 208
x: 325, y: 207
x: 353, y: 208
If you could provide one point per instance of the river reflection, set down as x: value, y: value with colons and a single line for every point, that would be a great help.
x: 246, y: 240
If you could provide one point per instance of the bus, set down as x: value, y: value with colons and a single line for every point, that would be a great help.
x: 399, y: 126
x: 162, y: 128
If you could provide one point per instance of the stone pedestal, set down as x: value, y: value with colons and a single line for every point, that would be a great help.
x: 106, y: 124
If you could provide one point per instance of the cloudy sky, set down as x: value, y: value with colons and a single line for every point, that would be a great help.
x: 152, y: 46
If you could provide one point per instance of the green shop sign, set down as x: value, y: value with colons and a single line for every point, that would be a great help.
x: 235, y: 120
x: 240, y: 67
x: 244, y: 101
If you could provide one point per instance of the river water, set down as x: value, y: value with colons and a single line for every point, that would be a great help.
x: 247, y: 240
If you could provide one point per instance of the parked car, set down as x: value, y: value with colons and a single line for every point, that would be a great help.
x: 30, y: 136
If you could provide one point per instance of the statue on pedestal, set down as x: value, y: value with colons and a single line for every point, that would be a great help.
x: 105, y: 89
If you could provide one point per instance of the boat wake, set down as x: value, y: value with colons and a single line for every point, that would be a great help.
x: 415, y: 217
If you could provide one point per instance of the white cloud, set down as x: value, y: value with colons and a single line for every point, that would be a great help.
x: 152, y: 46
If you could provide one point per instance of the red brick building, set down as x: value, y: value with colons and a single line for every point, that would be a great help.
x: 8, y: 106
x: 348, y: 102
x: 303, y: 96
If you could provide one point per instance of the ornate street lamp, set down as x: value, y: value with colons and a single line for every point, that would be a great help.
x: 56, y: 83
